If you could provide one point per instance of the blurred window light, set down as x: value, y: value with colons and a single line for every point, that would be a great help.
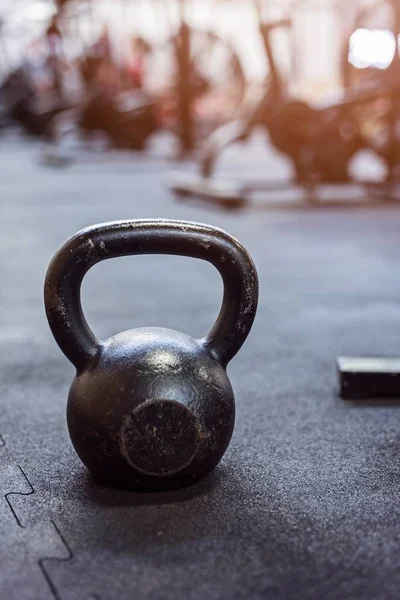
x: 372, y: 48
x: 39, y: 11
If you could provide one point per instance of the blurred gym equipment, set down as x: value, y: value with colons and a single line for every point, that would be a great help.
x: 320, y: 142
x: 375, y: 70
x: 194, y: 72
x: 187, y: 80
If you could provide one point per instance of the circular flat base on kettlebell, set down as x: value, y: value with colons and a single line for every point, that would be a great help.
x: 160, y: 438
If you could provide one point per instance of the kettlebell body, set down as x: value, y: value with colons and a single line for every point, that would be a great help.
x: 150, y: 408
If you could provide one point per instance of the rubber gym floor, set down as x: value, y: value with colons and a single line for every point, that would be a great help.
x: 304, y: 504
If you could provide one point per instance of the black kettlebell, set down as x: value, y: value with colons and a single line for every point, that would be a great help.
x: 150, y: 408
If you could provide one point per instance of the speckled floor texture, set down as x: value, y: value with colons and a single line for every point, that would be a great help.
x: 305, y: 503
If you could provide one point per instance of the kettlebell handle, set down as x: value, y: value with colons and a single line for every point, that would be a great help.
x: 62, y: 291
